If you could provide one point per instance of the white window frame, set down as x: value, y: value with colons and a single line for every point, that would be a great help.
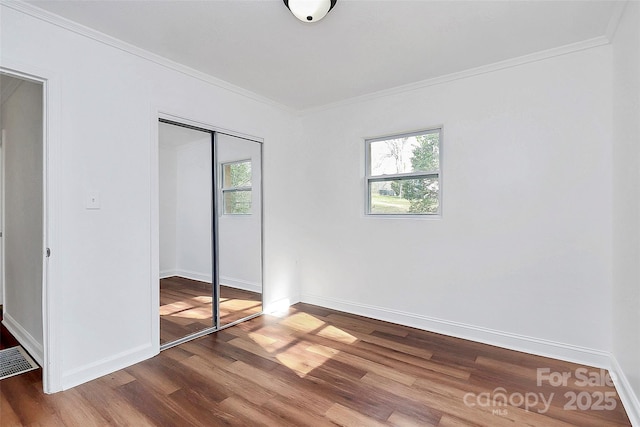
x: 225, y: 189
x: 369, y: 179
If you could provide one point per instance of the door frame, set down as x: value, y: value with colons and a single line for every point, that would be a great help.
x: 51, y: 378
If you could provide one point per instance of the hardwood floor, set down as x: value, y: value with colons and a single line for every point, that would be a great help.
x: 317, y: 367
x: 185, y: 306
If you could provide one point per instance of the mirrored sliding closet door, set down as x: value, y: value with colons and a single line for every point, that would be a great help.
x: 239, y: 228
x: 210, y: 220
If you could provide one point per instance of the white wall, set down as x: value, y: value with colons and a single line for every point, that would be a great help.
x: 626, y: 205
x: 522, y: 254
x: 185, y: 221
x: 103, y: 272
x: 168, y: 194
x: 194, y: 216
x: 21, y: 120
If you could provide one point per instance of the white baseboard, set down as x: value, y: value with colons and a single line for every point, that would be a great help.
x: 227, y: 281
x: 625, y: 391
x: 107, y: 365
x: 167, y: 273
x: 537, y: 346
x: 193, y: 275
x: 26, y: 340
x: 279, y: 307
x: 241, y: 284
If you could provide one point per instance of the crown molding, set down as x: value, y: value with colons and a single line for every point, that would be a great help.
x: 100, y: 37
x: 484, y: 69
x: 67, y: 24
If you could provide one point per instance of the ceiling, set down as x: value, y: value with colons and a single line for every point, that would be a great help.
x: 360, y: 47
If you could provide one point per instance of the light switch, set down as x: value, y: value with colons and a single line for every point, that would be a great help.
x: 93, y: 200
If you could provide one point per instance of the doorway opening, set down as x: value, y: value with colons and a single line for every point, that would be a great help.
x: 23, y: 211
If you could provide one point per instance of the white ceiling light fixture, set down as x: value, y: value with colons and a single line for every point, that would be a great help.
x: 310, y: 10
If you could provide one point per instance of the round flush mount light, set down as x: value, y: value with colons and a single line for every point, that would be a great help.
x: 310, y: 10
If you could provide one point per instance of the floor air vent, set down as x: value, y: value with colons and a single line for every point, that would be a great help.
x: 15, y: 361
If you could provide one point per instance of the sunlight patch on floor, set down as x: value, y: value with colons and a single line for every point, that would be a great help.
x: 174, y: 307
x: 267, y: 343
x: 303, y: 322
x: 239, y: 304
x: 203, y: 299
x: 301, y: 361
x: 178, y: 306
x: 197, y: 313
x: 336, y: 334
x: 300, y: 355
x: 323, y: 351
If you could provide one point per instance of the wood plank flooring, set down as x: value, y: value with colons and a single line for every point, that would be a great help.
x: 319, y: 367
x: 185, y: 306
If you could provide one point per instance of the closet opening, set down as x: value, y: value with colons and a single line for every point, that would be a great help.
x: 210, y: 230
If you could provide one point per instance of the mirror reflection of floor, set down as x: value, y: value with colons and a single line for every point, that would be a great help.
x: 185, y: 306
x: 236, y: 304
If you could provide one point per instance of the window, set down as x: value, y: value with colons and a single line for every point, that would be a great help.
x: 236, y: 187
x: 403, y: 174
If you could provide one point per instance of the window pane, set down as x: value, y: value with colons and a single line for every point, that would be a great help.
x: 419, y: 153
x: 404, y: 196
x: 237, y: 202
x: 236, y: 174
